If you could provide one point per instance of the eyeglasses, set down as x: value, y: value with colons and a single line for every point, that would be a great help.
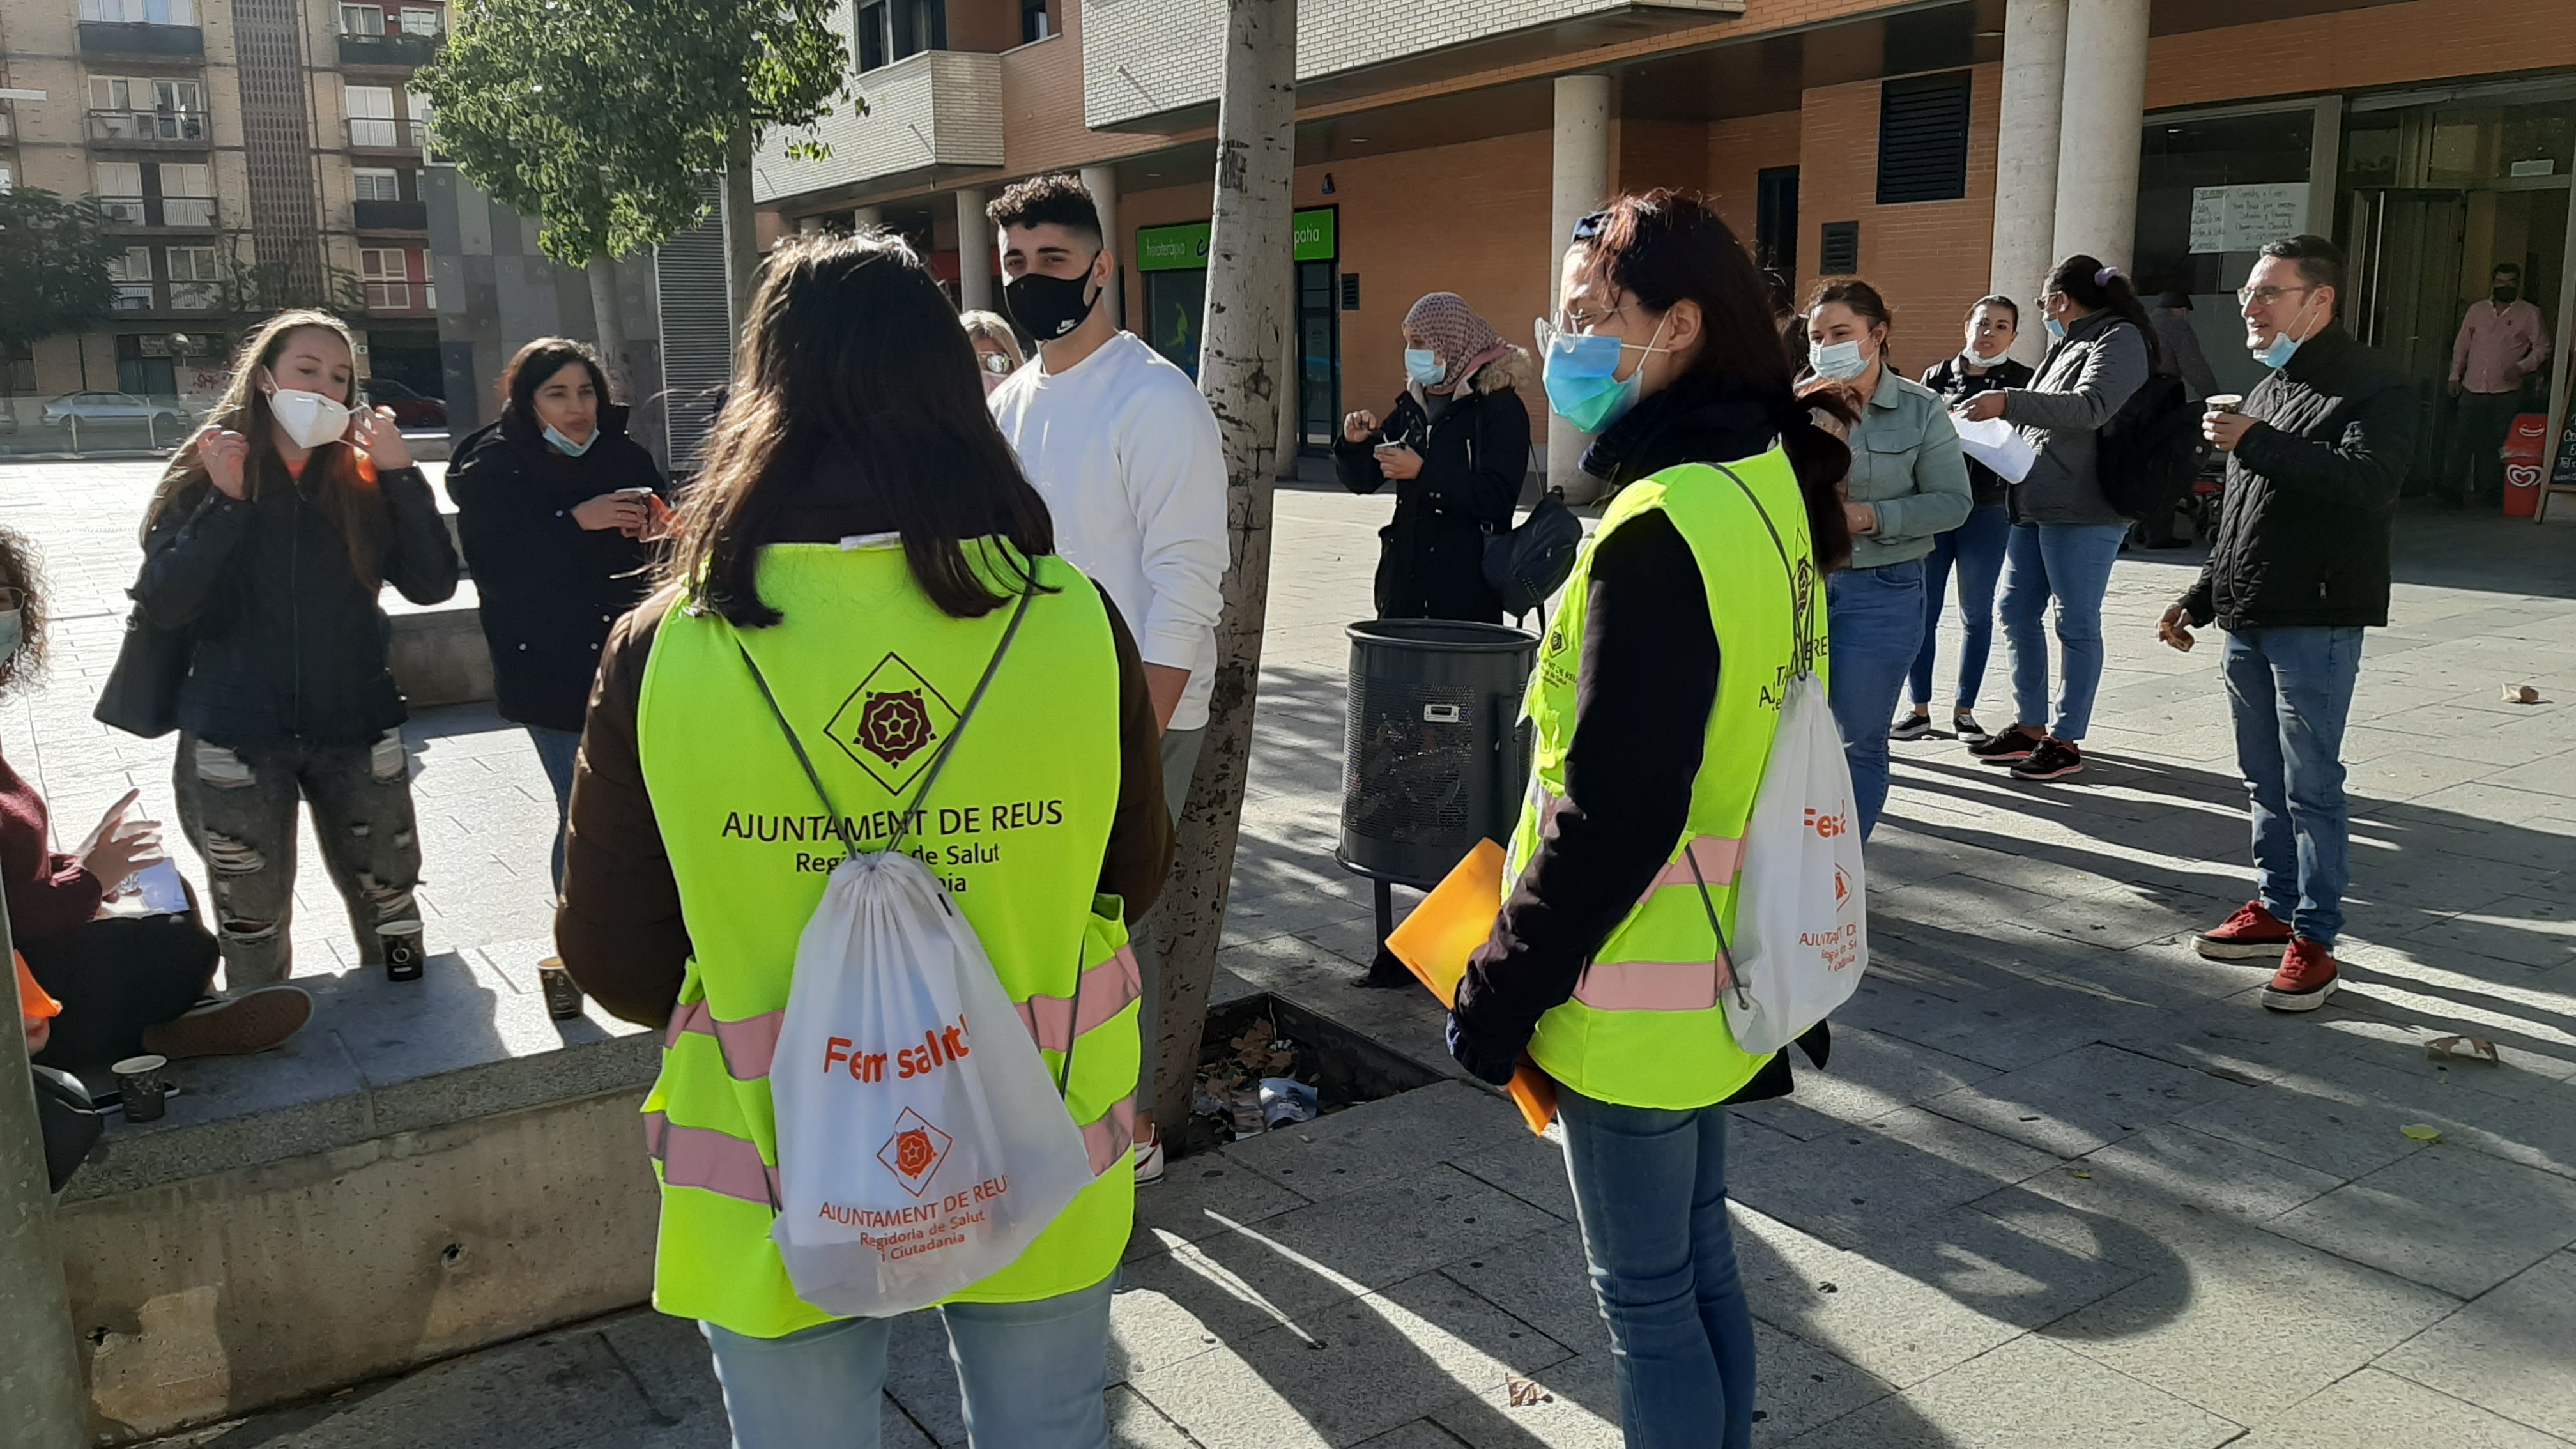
x: 2267, y: 296
x: 12, y: 599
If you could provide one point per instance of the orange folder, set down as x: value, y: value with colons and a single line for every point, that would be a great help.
x: 1435, y: 941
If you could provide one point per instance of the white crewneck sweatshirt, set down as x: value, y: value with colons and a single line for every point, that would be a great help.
x: 1124, y: 450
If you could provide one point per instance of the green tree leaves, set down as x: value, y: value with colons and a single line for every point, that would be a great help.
x: 54, y: 255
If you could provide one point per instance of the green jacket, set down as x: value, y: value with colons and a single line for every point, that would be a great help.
x: 1906, y: 463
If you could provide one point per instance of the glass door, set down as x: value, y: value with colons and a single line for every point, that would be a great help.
x: 1319, y: 348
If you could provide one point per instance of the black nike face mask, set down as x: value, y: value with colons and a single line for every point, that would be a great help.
x: 1050, y: 307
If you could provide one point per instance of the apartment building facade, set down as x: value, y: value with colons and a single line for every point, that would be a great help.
x: 1449, y: 145
x: 248, y: 154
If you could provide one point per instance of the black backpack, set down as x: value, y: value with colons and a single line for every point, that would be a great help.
x: 2146, y: 453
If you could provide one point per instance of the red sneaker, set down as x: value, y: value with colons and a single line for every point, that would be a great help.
x: 2252, y: 934
x: 2305, y: 980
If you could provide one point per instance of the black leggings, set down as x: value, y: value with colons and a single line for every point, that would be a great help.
x: 115, y: 976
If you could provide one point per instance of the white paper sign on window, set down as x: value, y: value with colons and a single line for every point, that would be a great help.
x: 2243, y: 218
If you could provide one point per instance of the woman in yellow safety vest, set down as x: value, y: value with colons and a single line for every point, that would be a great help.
x: 863, y: 534
x: 1654, y: 704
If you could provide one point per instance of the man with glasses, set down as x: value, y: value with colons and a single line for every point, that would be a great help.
x: 2502, y: 340
x: 2315, y: 456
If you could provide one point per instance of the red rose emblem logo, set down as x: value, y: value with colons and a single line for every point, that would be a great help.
x: 894, y: 725
x: 913, y: 1153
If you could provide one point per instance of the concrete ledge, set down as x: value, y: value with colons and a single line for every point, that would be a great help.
x: 428, y: 1167
x: 437, y: 652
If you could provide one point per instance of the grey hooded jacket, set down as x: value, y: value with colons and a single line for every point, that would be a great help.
x: 2081, y: 384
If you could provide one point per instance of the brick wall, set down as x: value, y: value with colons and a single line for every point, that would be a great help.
x: 1930, y: 259
x: 2379, y: 46
x: 1740, y: 148
x: 1661, y: 153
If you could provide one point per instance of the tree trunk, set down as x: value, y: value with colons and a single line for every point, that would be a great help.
x: 611, y: 322
x: 741, y: 229
x: 1243, y: 369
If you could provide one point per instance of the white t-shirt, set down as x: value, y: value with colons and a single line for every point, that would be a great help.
x: 1124, y: 450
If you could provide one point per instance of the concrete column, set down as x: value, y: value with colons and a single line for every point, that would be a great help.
x: 2097, y: 143
x: 1582, y: 183
x: 974, y: 252
x: 2026, y: 160
x: 1102, y: 183
x: 868, y: 216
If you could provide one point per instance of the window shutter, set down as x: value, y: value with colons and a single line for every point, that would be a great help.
x: 1838, y: 252
x: 1923, y: 139
x: 697, y: 331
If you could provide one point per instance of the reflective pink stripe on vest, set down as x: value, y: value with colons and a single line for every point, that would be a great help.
x: 1103, y: 992
x: 748, y: 1045
x: 1652, y: 985
x: 1718, y: 857
x: 713, y: 1161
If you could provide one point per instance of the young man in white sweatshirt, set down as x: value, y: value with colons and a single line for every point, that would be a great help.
x: 1123, y: 448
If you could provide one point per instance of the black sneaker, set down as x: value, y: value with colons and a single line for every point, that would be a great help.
x: 1968, y: 731
x: 2053, y: 760
x: 1912, y: 726
x: 2009, y: 748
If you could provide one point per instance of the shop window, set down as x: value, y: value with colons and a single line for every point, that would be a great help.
x: 1923, y: 139
x: 144, y: 367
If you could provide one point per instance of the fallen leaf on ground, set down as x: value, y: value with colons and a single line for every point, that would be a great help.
x: 1526, y: 1392
x: 2088, y: 1177
x: 2422, y: 1133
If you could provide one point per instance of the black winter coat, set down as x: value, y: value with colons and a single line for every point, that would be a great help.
x: 2310, y: 494
x: 1431, y: 561
x: 550, y: 588
x: 287, y: 643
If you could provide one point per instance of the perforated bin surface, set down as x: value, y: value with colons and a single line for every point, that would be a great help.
x: 1433, y: 753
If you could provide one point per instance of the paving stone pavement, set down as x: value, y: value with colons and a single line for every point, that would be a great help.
x: 2065, y: 1183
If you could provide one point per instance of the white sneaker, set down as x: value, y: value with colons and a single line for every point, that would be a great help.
x: 1149, y: 1159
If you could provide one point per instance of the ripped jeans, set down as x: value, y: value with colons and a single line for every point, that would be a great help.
x: 238, y: 809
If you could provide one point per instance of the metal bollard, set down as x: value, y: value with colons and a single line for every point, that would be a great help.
x: 74, y: 420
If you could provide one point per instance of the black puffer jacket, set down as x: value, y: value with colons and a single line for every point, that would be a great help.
x: 1431, y: 564
x: 287, y: 642
x: 2310, y: 494
x: 549, y: 588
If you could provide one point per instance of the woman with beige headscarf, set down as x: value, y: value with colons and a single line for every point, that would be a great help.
x: 1456, y: 445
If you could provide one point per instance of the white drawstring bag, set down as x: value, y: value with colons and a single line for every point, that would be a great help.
x: 1802, y: 901
x: 922, y: 1144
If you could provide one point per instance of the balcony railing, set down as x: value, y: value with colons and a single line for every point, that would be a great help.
x: 152, y: 128
x: 128, y: 37
x: 402, y: 297
x: 391, y: 215
x: 133, y: 297
x: 193, y: 212
x: 395, y: 50
x: 383, y: 133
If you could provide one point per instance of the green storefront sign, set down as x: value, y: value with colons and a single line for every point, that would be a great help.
x: 1185, y: 247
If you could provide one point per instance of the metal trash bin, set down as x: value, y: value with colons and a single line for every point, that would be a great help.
x: 1434, y: 753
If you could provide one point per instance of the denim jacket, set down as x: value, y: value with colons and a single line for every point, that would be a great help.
x: 1906, y: 463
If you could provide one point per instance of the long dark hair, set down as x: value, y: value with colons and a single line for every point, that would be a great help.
x: 1663, y: 246
x: 2091, y: 284
x: 331, y: 477
x: 852, y: 354
x: 536, y: 364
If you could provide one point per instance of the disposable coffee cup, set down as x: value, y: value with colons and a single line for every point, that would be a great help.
x: 2225, y: 402
x: 563, y: 995
x: 143, y: 1089
x: 402, y: 947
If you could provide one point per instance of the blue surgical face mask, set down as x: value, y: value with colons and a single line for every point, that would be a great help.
x: 2283, y: 346
x: 1836, y: 361
x: 1580, y: 374
x: 2056, y: 329
x: 566, y: 445
x: 1423, y: 366
x: 13, y: 632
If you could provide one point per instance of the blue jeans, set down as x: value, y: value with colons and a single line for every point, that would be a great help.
x: 2070, y: 562
x: 2291, y: 690
x: 1977, y: 547
x: 1650, y: 1192
x: 1033, y: 1376
x: 556, y: 750
x: 1874, y: 621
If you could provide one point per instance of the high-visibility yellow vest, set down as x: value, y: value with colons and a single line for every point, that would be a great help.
x: 874, y: 677
x: 1645, y: 1028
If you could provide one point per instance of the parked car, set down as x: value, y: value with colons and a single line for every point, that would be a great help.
x: 411, y: 409
x: 164, y: 415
